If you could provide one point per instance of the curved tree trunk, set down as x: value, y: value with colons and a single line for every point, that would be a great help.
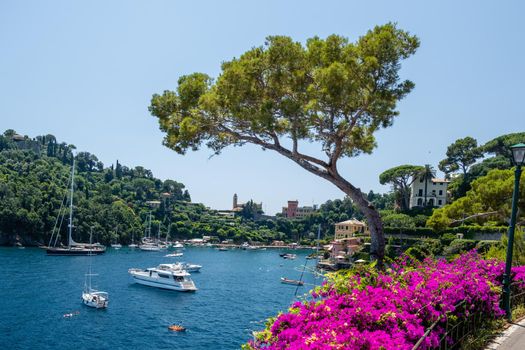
x: 377, y: 247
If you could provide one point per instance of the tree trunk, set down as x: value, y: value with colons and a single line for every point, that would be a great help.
x: 377, y: 247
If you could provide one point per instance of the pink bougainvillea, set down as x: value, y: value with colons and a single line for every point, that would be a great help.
x: 390, y: 310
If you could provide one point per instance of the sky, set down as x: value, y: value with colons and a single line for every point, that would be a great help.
x: 85, y: 72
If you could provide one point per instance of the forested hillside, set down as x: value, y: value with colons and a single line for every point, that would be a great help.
x: 115, y: 201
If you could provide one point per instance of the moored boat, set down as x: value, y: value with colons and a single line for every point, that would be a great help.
x: 92, y: 297
x: 178, y: 280
x: 72, y: 248
x: 290, y: 281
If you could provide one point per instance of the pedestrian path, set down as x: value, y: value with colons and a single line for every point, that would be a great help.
x: 513, y: 338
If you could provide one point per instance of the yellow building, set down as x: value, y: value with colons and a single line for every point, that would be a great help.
x: 349, y: 228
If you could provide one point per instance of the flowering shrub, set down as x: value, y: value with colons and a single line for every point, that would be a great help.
x: 389, y: 310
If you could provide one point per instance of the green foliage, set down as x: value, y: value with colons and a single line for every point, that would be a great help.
x: 325, y: 89
x: 499, y: 251
x: 490, y: 193
x: 398, y: 220
x: 401, y: 177
x: 460, y: 156
x: 458, y: 246
x: 500, y: 146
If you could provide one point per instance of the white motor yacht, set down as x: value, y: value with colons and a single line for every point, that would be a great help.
x: 178, y: 280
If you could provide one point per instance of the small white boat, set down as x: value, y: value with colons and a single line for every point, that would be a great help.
x: 290, y: 281
x: 173, y: 255
x: 177, y: 245
x: 132, y: 246
x: 96, y: 299
x: 289, y: 256
x: 222, y: 249
x: 178, y: 280
x: 116, y: 246
x: 149, y: 247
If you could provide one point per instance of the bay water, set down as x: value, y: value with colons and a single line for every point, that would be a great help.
x: 238, y: 290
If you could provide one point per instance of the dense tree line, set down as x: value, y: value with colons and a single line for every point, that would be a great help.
x: 116, y: 201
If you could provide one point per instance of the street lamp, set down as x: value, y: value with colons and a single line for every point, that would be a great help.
x: 518, y: 157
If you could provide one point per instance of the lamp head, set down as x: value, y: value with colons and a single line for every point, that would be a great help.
x: 518, y: 154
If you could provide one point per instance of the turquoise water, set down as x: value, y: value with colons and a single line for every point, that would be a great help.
x: 237, y: 289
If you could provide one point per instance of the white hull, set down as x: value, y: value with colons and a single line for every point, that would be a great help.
x: 97, y: 300
x: 132, y: 246
x: 149, y: 248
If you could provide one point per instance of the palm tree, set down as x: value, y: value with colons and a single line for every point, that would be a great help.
x: 426, y: 173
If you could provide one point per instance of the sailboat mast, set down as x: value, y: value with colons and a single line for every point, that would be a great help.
x: 318, y: 238
x: 149, y: 225
x: 69, y: 238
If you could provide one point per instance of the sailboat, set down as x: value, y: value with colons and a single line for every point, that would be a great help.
x: 73, y: 248
x: 116, y: 245
x: 147, y: 244
x: 133, y: 245
x: 92, y: 297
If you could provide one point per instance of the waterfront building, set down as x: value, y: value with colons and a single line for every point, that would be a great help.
x: 436, y: 192
x: 293, y: 210
x: 349, y: 228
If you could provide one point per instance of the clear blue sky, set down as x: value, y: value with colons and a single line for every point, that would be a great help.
x: 85, y: 72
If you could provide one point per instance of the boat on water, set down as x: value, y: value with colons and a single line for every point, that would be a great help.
x: 91, y: 297
x: 133, y: 245
x: 288, y: 256
x: 72, y: 248
x: 180, y: 266
x: 178, y: 280
x: 290, y: 281
x: 173, y: 255
x: 222, y: 249
x: 177, y: 245
x: 148, y: 245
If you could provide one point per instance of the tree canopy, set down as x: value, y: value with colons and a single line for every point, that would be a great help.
x: 490, y: 195
x: 460, y: 156
x: 329, y: 91
x: 401, y: 177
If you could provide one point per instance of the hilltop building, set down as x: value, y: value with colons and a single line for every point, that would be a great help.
x: 293, y: 210
x: 239, y: 206
x: 436, y: 192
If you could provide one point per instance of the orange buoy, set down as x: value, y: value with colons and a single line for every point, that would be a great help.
x: 176, y: 328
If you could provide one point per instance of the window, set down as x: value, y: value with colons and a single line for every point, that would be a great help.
x: 163, y: 275
x: 419, y: 202
x: 420, y: 193
x: 440, y: 202
x: 440, y: 193
x: 420, y: 179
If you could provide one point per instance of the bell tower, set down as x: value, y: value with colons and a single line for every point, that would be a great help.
x: 234, y: 200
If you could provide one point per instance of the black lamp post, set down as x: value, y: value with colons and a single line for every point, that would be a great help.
x: 518, y: 157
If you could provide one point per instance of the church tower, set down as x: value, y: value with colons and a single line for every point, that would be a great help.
x: 234, y: 200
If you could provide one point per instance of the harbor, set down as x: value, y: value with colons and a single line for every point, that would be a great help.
x: 237, y: 291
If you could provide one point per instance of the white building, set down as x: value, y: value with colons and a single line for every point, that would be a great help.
x: 436, y: 192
